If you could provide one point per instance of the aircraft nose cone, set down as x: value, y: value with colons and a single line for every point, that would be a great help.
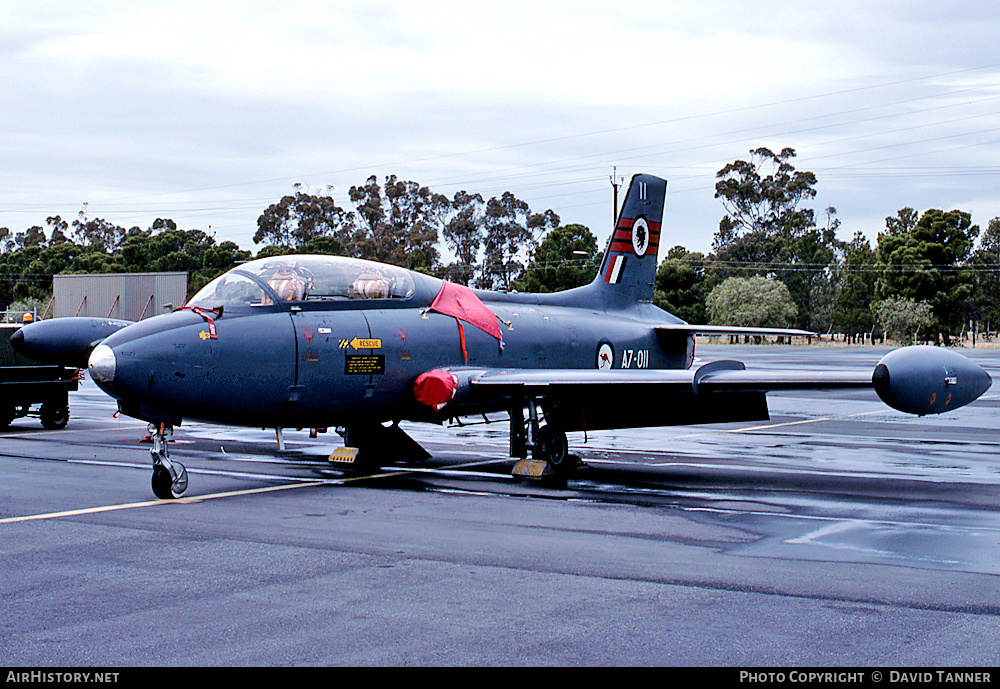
x: 102, y: 364
x: 17, y: 340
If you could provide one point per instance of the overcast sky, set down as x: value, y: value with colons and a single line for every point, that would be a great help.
x: 207, y: 112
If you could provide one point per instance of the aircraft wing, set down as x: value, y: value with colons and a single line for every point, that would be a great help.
x: 732, y: 330
x: 591, y: 399
x: 709, y: 378
x: 917, y: 380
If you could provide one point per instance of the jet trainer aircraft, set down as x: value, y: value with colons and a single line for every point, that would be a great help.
x: 307, y: 341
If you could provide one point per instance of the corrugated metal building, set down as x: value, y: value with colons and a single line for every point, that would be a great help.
x: 130, y: 296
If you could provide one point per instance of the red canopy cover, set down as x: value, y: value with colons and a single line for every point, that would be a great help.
x: 462, y: 303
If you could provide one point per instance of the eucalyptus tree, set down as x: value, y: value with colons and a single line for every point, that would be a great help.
x: 396, y: 222
x: 464, y: 234
x: 926, y: 261
x: 768, y: 232
x: 680, y: 284
x: 567, y: 257
x: 510, y: 235
x: 301, y: 218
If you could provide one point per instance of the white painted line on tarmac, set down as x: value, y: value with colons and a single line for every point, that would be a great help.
x: 297, y: 483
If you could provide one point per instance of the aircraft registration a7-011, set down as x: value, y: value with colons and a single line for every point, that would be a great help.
x: 306, y: 341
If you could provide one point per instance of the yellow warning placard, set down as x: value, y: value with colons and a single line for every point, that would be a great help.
x: 364, y: 364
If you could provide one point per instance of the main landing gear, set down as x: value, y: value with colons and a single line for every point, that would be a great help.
x: 550, y: 457
x: 170, y: 478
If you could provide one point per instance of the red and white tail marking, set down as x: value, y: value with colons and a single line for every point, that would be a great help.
x: 625, y: 241
x: 615, y: 266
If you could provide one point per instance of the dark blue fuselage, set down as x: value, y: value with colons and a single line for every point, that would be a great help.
x: 332, y: 363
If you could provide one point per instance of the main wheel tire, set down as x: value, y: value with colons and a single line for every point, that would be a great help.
x: 54, y: 415
x: 554, y: 448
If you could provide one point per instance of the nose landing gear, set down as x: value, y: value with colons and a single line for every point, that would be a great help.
x: 170, y: 478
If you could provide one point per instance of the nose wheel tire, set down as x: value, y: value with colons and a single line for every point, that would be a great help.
x: 166, y: 485
x: 170, y: 478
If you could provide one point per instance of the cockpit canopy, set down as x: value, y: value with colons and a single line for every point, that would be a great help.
x: 304, y: 278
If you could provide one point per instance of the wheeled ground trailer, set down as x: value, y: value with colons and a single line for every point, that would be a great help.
x: 41, y: 391
x: 28, y: 388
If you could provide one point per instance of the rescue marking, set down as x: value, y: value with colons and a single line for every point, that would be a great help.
x: 358, y: 343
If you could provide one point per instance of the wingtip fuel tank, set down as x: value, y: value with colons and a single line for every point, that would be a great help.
x: 928, y: 380
x: 64, y: 341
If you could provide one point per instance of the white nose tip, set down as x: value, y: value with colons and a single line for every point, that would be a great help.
x: 102, y: 364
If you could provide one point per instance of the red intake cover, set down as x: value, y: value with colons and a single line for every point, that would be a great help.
x: 435, y: 388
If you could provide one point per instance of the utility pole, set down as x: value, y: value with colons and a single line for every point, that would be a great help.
x: 614, y: 185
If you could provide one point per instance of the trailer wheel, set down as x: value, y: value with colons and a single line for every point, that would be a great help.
x: 7, y: 415
x: 54, y: 415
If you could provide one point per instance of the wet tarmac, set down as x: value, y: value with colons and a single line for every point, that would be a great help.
x: 840, y: 532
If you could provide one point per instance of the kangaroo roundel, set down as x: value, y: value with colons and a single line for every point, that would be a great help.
x: 605, y: 357
x: 640, y: 237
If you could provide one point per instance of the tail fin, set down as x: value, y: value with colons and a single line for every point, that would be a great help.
x: 629, y: 268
